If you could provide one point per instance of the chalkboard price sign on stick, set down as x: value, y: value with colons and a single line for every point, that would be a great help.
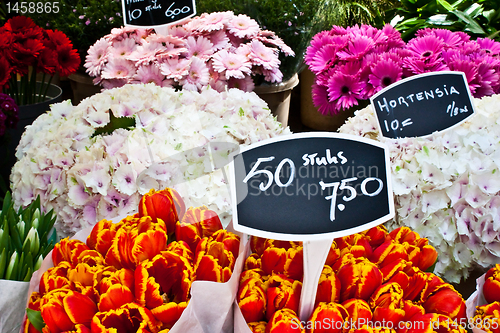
x: 423, y: 104
x: 156, y: 13
x: 311, y: 186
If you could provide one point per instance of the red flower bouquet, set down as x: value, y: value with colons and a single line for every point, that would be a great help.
x: 25, y: 50
x: 483, y: 307
x: 132, y: 276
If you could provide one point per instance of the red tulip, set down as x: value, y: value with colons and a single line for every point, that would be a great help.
x: 284, y: 321
x: 253, y: 261
x: 166, y: 205
x: 129, y: 318
x: 333, y: 255
x: 182, y: 249
x: 257, y: 326
x: 359, y: 312
x: 328, y: 287
x: 101, y: 237
x: 63, y: 309
x: 446, y: 301
x: 252, y: 298
x: 376, y: 235
x: 123, y: 277
x: 280, y: 261
x: 488, y: 317
x: 357, y: 244
x: 387, y: 304
x: 491, y: 288
x: 359, y: 279
x: 197, y: 223
x: 55, y: 278
x: 432, y: 322
x: 327, y: 317
x: 68, y: 250
x: 281, y: 293
x: 404, y: 235
x: 388, y: 252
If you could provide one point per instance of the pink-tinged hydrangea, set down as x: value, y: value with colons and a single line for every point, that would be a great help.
x: 232, y: 64
x: 243, y: 26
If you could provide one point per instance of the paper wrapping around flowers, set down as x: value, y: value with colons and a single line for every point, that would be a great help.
x: 210, y: 308
x: 12, y: 304
x: 447, y: 186
x: 476, y: 299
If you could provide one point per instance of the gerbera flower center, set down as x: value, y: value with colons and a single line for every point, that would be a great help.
x: 344, y: 90
x: 426, y: 54
x: 386, y: 81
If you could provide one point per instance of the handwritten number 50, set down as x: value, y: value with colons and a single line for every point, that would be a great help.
x: 269, y: 174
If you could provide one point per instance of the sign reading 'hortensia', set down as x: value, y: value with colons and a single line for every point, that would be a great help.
x: 155, y: 13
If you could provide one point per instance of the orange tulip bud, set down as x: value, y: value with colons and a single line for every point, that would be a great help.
x: 166, y: 205
x: 376, y: 235
x: 328, y: 287
x: 197, y: 223
x: 491, y: 288
x: 101, y: 237
x: 129, y: 318
x: 252, y: 298
x: 327, y: 317
x: 387, y: 304
x: 359, y: 279
x: 359, y: 312
x: 333, y: 255
x: 284, y: 321
x: 273, y: 260
x: 182, y: 249
x: 169, y: 313
x: 357, y: 244
x: 281, y: 293
x: 253, y: 261
x: 68, y: 250
x: 63, y: 309
x: 388, y: 252
x: 55, y: 278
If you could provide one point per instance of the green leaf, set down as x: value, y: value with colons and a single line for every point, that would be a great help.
x: 114, y: 123
x: 12, y: 269
x: 3, y: 262
x: 35, y: 318
x: 472, y: 25
x: 446, y: 5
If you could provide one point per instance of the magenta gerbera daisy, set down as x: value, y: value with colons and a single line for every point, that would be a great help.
x: 243, y: 26
x: 233, y: 64
x: 323, y: 59
x: 385, y: 73
x: 344, y: 90
x: 320, y: 100
x: 356, y: 48
x: 489, y: 46
x: 426, y: 48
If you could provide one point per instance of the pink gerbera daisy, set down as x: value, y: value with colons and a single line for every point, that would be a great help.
x: 264, y: 56
x: 198, y: 75
x: 449, y: 38
x: 199, y: 47
x: 148, y: 74
x: 216, y: 21
x: 245, y: 84
x: 96, y: 57
x: 146, y: 53
x: 320, y: 100
x: 426, y: 48
x: 175, y: 68
x: 233, y: 64
x: 323, y: 59
x: 385, y: 73
x: 344, y: 90
x: 489, y: 46
x: 219, y: 40
x: 123, y: 48
x: 356, y: 48
x: 273, y: 76
x: 118, y: 68
x: 243, y: 26
x: 276, y: 41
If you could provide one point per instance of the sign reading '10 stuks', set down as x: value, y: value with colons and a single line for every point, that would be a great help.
x: 155, y: 13
x: 423, y: 104
x: 311, y: 186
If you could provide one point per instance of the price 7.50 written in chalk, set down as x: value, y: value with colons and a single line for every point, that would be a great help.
x: 342, y: 185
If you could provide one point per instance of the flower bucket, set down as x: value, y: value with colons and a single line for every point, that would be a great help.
x: 82, y: 87
x: 309, y: 114
x: 12, y: 304
x: 476, y: 299
x: 27, y: 114
x: 278, y: 96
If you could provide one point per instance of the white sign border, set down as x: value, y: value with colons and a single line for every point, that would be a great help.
x: 306, y: 237
x: 155, y: 26
x: 415, y: 77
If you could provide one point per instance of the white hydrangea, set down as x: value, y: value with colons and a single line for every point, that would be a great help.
x: 447, y: 186
x: 178, y: 138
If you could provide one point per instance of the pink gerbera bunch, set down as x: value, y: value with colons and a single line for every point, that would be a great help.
x: 352, y: 64
x: 218, y: 49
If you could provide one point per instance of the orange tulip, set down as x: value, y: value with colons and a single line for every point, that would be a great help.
x: 55, y: 278
x: 166, y: 205
x: 91, y: 257
x: 252, y: 299
x: 412, y: 309
x: 68, y: 250
x: 253, y: 261
x: 359, y: 312
x: 281, y: 293
x: 327, y: 317
x: 115, y: 296
x: 63, y: 309
x: 101, y: 236
x: 388, y: 252
x: 216, y: 255
x: 404, y: 235
x: 357, y: 244
x: 289, y: 261
x: 376, y: 235
x: 136, y: 239
x: 328, y: 287
x: 182, y: 249
x: 491, y: 288
x: 123, y: 277
x: 169, y: 313
x: 333, y: 255
x: 130, y: 317
x: 446, y: 301
x: 197, y: 223
x: 387, y: 304
x: 358, y: 279
x: 284, y: 321
x: 488, y: 317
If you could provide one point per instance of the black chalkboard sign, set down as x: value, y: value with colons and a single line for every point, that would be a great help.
x: 311, y: 185
x: 423, y: 104
x: 154, y: 13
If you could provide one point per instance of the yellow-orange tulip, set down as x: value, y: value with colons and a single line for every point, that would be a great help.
x: 197, y: 223
x: 130, y: 317
x: 165, y: 205
x: 284, y: 321
x: 281, y: 293
x: 358, y: 279
x: 328, y: 287
x: 327, y: 318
